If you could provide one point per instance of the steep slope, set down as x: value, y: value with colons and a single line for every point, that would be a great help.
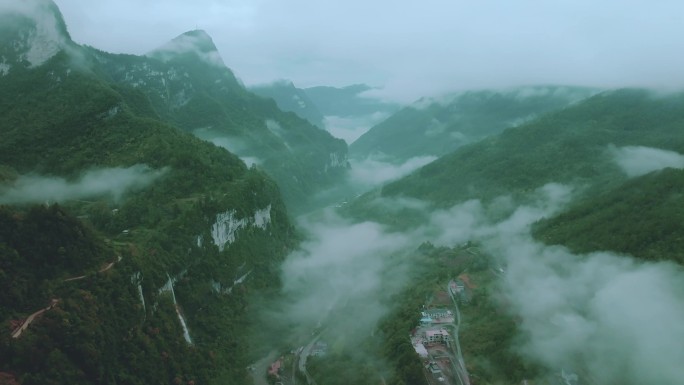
x: 26, y: 42
x: 190, y: 87
x: 189, y: 229
x: 569, y: 146
x: 292, y: 99
x: 643, y: 217
x: 439, y: 126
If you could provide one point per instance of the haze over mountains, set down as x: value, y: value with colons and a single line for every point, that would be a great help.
x: 162, y: 223
x: 345, y: 112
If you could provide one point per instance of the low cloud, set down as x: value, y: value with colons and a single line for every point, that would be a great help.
x: 341, y: 277
x: 46, y: 39
x: 110, y: 182
x: 601, y: 315
x: 604, y: 316
x: 197, y: 42
x: 377, y: 169
x: 251, y: 160
x: 607, y: 315
x: 639, y: 160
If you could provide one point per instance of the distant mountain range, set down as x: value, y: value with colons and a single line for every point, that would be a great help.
x: 345, y: 112
x: 601, y: 146
x: 438, y: 126
x: 568, y: 146
x: 293, y: 99
x: 349, y: 101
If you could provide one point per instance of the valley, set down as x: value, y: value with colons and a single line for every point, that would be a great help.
x: 161, y: 222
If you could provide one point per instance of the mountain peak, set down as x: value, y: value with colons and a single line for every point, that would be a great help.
x: 33, y: 30
x: 197, y: 42
x: 201, y: 38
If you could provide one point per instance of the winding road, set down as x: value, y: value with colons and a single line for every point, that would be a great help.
x: 304, y: 355
x: 16, y: 333
x: 463, y: 377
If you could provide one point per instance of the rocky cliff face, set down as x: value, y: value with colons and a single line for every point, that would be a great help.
x: 134, y: 204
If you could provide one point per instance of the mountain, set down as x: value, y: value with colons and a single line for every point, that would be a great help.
x: 189, y: 87
x: 348, y: 101
x: 27, y: 42
x: 569, y: 146
x: 292, y: 99
x: 140, y: 260
x: 349, y: 111
x: 439, y: 126
x: 643, y: 217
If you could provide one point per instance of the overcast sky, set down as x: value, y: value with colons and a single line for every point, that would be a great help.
x: 411, y: 48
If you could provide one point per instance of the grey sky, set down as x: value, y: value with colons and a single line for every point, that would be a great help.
x: 411, y: 48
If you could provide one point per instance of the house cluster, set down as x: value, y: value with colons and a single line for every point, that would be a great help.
x: 433, y: 368
x: 437, y: 336
x: 420, y: 349
x: 436, y: 316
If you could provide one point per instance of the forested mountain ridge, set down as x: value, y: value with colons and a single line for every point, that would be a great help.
x: 438, y: 126
x: 190, y: 87
x: 569, y: 146
x: 150, y: 284
x: 643, y: 217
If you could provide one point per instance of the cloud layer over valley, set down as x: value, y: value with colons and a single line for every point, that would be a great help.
x: 377, y: 170
x: 607, y: 316
x: 595, y: 314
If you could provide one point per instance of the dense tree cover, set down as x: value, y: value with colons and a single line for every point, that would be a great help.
x: 206, y: 98
x: 438, y: 127
x: 64, y: 118
x: 95, y: 333
x: 489, y: 343
x: 570, y: 146
x: 643, y: 217
x: 39, y: 246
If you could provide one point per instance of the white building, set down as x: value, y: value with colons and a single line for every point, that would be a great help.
x: 441, y: 335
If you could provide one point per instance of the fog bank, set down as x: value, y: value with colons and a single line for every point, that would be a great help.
x: 109, y: 182
x: 639, y: 160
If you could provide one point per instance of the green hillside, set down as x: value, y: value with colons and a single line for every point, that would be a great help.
x: 569, y: 146
x: 440, y: 126
x: 189, y: 87
x: 203, y: 230
x: 643, y: 217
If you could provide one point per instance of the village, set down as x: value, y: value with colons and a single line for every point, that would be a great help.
x: 435, y: 339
